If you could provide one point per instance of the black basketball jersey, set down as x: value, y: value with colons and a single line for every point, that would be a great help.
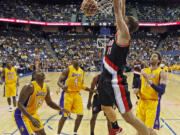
x: 115, y: 60
x: 137, y: 66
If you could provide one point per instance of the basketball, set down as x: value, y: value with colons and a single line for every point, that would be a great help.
x: 89, y: 7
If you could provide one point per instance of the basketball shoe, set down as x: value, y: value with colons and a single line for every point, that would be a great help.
x: 118, y: 131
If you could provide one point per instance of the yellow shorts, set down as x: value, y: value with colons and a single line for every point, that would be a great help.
x: 10, y: 90
x: 148, y: 111
x: 73, y: 103
x: 24, y: 124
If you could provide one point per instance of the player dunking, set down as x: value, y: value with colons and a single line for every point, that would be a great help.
x: 153, y: 84
x: 96, y: 107
x: 74, y: 77
x: 11, y: 83
x: 31, y: 98
x: 113, y: 87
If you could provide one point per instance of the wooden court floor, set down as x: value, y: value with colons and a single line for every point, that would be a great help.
x: 170, y: 108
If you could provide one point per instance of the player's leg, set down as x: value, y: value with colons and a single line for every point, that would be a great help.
x: 78, y: 109
x: 40, y: 132
x: 14, y: 101
x: 61, y: 123
x: 68, y: 101
x: 77, y: 123
x: 127, y: 114
x: 22, y: 124
x: 8, y: 95
x: 92, y: 123
x: 96, y: 108
x: 153, y: 115
x: 107, y: 100
x: 109, y: 126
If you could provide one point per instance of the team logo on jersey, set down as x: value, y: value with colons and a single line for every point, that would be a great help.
x: 41, y: 94
x: 76, y: 75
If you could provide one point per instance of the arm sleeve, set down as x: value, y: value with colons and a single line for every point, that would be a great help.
x: 159, y: 88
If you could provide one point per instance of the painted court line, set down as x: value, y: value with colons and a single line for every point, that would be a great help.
x: 168, y: 126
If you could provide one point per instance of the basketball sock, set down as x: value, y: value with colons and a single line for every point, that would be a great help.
x: 75, y: 133
x: 115, y: 125
x: 10, y: 106
x: 92, y: 133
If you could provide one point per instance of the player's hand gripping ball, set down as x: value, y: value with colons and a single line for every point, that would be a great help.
x: 89, y: 7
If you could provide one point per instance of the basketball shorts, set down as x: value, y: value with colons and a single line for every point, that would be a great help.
x: 114, y: 93
x: 72, y: 102
x: 24, y: 124
x: 148, y: 111
x: 96, y: 107
x: 136, y: 81
x: 10, y: 90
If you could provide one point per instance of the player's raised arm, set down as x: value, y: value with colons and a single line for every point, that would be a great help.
x: 124, y: 8
x: 122, y: 28
x: 62, y: 78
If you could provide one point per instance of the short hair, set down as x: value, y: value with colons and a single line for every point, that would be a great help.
x: 133, y: 24
x: 159, y: 56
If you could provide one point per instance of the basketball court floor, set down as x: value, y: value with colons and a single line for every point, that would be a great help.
x: 170, y: 108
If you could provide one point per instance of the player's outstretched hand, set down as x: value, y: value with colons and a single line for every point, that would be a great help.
x: 35, y: 122
x: 65, y: 111
x: 1, y: 83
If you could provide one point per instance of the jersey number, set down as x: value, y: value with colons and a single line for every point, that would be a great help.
x: 147, y: 84
x: 39, y: 102
x: 76, y: 81
x: 109, y: 50
x: 11, y: 77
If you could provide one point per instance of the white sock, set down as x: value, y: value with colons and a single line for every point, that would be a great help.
x: 10, y: 106
x: 75, y: 133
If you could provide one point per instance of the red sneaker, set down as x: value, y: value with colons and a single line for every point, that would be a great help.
x: 118, y: 131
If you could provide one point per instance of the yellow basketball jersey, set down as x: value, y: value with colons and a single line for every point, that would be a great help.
x: 75, y: 79
x: 37, y: 98
x: 10, y: 75
x: 147, y: 92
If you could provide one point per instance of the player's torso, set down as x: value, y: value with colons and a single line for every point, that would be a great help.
x: 10, y: 75
x: 115, y: 58
x: 137, y: 67
x: 147, y: 92
x: 37, y: 98
x: 75, y: 79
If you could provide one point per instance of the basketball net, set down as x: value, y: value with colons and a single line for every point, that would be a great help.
x: 105, y: 6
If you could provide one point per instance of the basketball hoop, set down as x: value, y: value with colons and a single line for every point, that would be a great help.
x: 105, y: 6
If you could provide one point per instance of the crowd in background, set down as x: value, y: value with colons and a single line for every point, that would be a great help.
x: 27, y: 10
x: 56, y: 52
